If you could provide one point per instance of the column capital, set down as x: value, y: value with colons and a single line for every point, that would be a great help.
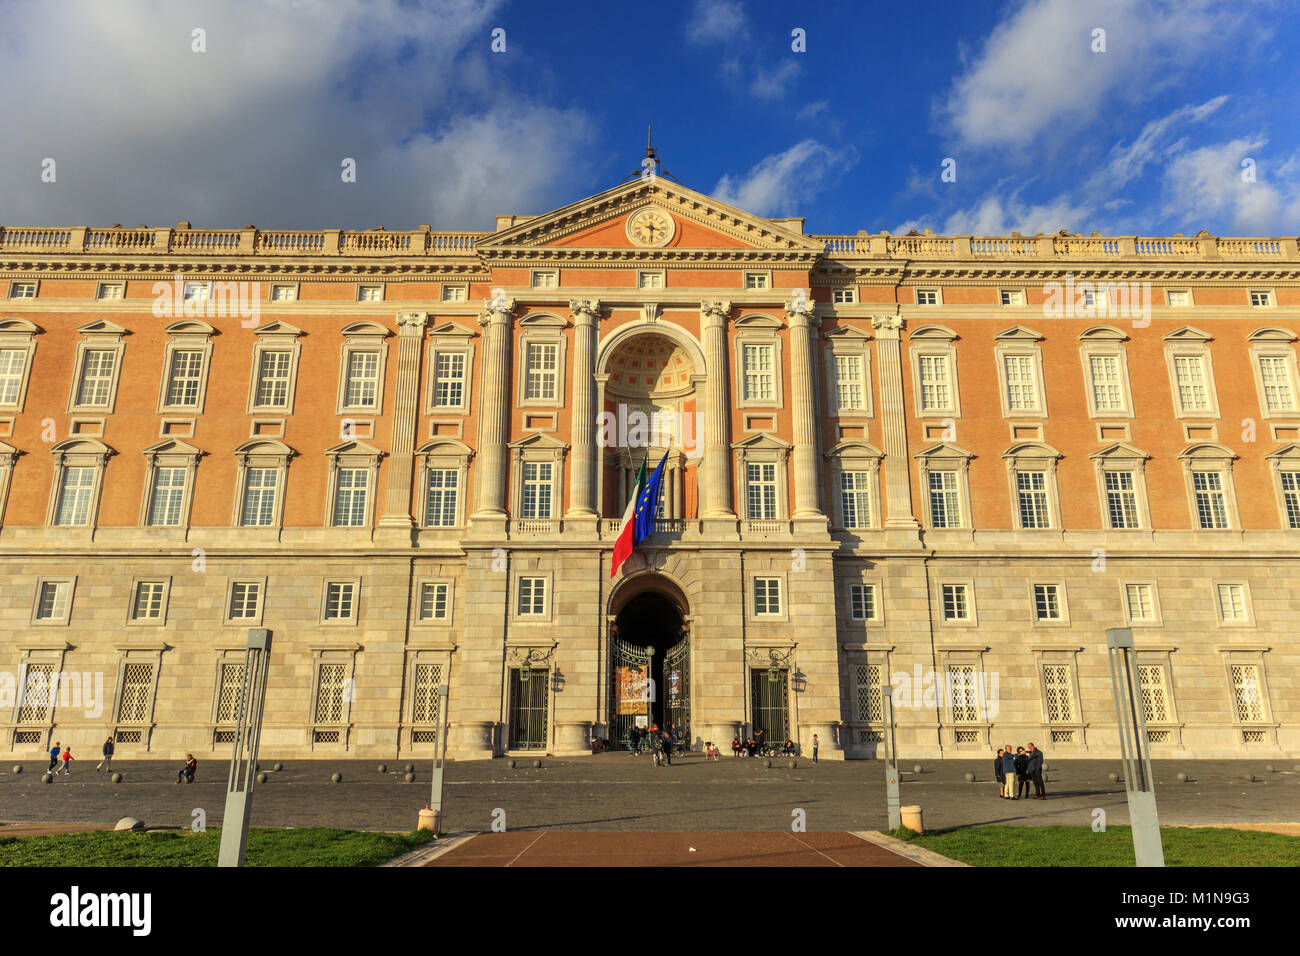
x: 800, y: 310
x: 497, y: 309
x: 887, y: 323
x: 715, y: 310
x: 412, y: 323
x: 584, y: 310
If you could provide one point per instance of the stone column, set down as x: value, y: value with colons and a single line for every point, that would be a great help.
x: 495, y: 404
x: 715, y: 490
x: 406, y: 408
x: 582, y: 463
x: 898, y: 492
x: 807, y: 484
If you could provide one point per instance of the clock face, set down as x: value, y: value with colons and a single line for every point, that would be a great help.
x: 650, y: 226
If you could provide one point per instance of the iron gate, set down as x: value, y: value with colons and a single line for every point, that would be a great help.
x: 528, y: 700
x: 771, y: 703
x: 629, y: 673
x: 677, y: 689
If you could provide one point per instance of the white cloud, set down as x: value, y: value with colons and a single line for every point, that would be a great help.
x: 778, y: 183
x: 717, y: 21
x: 1127, y: 162
x: 775, y: 83
x: 254, y: 130
x: 1208, y: 182
x: 998, y: 214
x: 810, y: 112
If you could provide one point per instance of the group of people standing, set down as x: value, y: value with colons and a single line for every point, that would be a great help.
x: 1015, y: 771
x: 659, y: 742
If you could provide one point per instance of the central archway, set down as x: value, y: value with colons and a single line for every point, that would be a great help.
x: 649, y: 658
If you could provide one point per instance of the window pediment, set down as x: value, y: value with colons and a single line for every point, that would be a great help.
x: 758, y: 321
x: 172, y: 447
x: 944, y: 451
x: 1289, y: 452
x: 932, y: 333
x: 366, y: 330
x: 1119, y: 451
x: 1271, y: 334
x: 762, y: 441
x: 1207, y: 451
x: 1102, y: 333
x: 854, y: 448
x: 81, y: 446
x: 190, y: 327
x: 1032, y: 449
x: 452, y: 329
x: 543, y: 320
x: 279, y: 328
x: 445, y: 447
x: 537, y: 442
x: 355, y: 449
x: 1018, y: 333
x: 266, y: 447
x: 103, y: 327
x: 1189, y: 334
x: 846, y: 335
x: 19, y: 327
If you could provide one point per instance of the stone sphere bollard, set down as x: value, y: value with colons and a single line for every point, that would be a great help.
x: 970, y: 777
x: 1181, y: 777
x: 1250, y: 778
x: 410, y: 777
x: 1268, y: 768
x: 47, y: 778
x: 18, y: 768
x: 917, y: 768
x: 277, y: 767
x: 409, y: 768
x: 537, y: 764
x: 129, y: 823
x: 262, y: 778
x: 793, y: 765
x: 336, y: 778
x: 767, y: 764
x: 511, y: 764
x: 1113, y: 777
x: 383, y: 768
x: 116, y: 778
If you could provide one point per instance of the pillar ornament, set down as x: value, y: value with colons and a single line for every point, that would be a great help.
x: 715, y: 489
x: 412, y: 323
x: 898, y: 492
x: 650, y: 311
x: 582, y: 464
x: 719, y: 308
x: 406, y: 409
x: 584, y: 309
x: 799, y: 310
x: 496, y: 315
x: 887, y: 323
x: 498, y: 307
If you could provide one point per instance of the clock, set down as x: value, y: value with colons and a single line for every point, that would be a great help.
x: 651, y: 226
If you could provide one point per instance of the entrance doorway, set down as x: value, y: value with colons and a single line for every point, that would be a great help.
x: 529, y: 693
x: 650, y: 657
x: 771, y: 704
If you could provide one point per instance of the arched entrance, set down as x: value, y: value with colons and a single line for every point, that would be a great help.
x: 650, y: 660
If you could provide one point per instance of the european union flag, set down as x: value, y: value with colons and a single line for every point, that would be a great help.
x: 646, y: 504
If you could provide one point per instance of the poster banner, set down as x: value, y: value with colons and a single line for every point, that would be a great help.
x: 633, y: 689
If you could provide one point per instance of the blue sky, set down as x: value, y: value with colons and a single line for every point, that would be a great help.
x: 1046, y: 133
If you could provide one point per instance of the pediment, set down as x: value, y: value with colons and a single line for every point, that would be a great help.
x: 362, y: 329
x: 937, y: 333
x: 1119, y: 449
x: 1018, y: 333
x: 278, y: 328
x: 171, y: 446
x: 757, y: 320
x: 1188, y: 334
x: 760, y: 441
x: 542, y: 320
x: 1287, y: 451
x: 538, y: 440
x: 855, y: 448
x: 358, y: 448
x: 20, y: 326
x: 102, y: 327
x: 943, y: 450
x: 190, y: 327
x: 1271, y: 334
x: 452, y: 328
x: 1102, y: 333
x: 600, y: 221
x: 847, y: 333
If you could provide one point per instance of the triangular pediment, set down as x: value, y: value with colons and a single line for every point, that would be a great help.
x: 452, y: 328
x: 762, y: 440
x: 1188, y: 333
x: 601, y: 221
x: 1119, y: 449
x: 538, y: 440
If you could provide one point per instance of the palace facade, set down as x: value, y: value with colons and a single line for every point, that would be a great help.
x: 948, y: 464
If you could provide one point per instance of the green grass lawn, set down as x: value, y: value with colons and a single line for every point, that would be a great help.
x: 1080, y: 846
x: 306, y: 847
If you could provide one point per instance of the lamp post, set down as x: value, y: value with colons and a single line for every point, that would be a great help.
x: 1139, y: 784
x: 892, y: 799
x: 440, y: 762
x: 243, y: 756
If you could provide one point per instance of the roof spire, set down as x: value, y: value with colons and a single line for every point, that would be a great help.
x: 652, y: 166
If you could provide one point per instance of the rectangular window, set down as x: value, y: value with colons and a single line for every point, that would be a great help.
x: 945, y: 506
x: 273, y: 379
x: 1107, y: 391
x: 756, y: 280
x: 862, y: 602
x: 110, y: 290
x: 927, y: 296
x: 844, y: 296
x: 424, y: 708
x: 537, y: 489
x: 12, y: 364
x: 350, y: 494
x: 760, y: 481
x: 965, y: 696
x: 767, y: 596
x: 1022, y: 382
x: 284, y: 293
x: 1011, y: 297
x: 1121, y: 499
x: 849, y: 386
x: 455, y: 293
x: 1211, y: 504
x: 230, y: 687
x: 74, y: 496
x: 183, y: 378
x: 1060, y: 693
x: 1261, y: 297
x: 260, y: 485
x: 136, y: 681
x: 53, y: 602
x: 955, y: 604
x: 1291, y: 497
x: 855, y: 499
x: 196, y: 292
x: 440, y: 498
x: 329, y: 693
x: 148, y: 601
x: 1141, y: 606
x: 1178, y: 298
x: 449, y: 380
x: 167, y: 497
x: 244, y: 600
x: 546, y: 280
x: 1155, y: 695
x: 362, y: 386
x: 22, y: 290
x: 532, y: 596
x: 1189, y: 372
x: 1275, y: 373
x: 37, y: 702
x: 340, y: 600
x: 649, y: 280
x: 96, y: 377
x: 542, y: 371
x: 370, y: 293
x: 759, y: 377
x: 1047, y: 602
x: 1247, y: 693
x: 936, y: 394
x: 1031, y: 490
x: 870, y: 703
x: 433, y: 601
x: 1232, y: 602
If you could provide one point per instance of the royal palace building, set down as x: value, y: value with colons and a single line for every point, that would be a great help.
x: 942, y: 464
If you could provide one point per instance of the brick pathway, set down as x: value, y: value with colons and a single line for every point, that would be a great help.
x: 555, y: 848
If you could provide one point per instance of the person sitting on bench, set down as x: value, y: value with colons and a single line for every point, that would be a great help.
x: 187, y: 772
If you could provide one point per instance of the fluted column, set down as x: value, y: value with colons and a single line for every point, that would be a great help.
x: 715, y: 493
x: 495, y: 404
x: 406, y: 407
x: 582, y: 461
x: 898, y: 493
x: 807, y: 486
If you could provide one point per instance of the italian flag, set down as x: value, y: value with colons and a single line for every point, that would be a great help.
x: 627, y: 531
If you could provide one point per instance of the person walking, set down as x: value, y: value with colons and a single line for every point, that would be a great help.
x: 668, y: 746
x: 735, y: 746
x: 107, y: 750
x: 1035, y: 770
x: 54, y: 756
x: 1009, y: 773
x: 67, y: 758
x: 1022, y: 773
x: 816, y: 744
x: 997, y: 774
